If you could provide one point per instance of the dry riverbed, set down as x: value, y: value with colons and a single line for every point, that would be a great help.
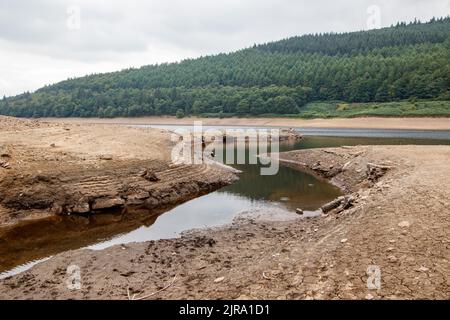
x: 395, y: 215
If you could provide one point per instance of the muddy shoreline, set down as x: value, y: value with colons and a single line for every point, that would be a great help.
x: 397, y: 220
x: 64, y: 186
x: 409, y: 123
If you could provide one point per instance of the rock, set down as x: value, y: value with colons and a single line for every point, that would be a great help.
x: 106, y: 157
x: 106, y: 203
x: 57, y: 209
x: 53, y: 145
x: 149, y: 175
x: 299, y: 211
x: 404, y: 224
x: 81, y: 208
x: 376, y: 171
x: 369, y: 297
x: 220, y: 279
x: 5, y: 165
x: 392, y: 259
x: 422, y: 269
x: 344, y: 240
x: 137, y: 198
x: 151, y: 203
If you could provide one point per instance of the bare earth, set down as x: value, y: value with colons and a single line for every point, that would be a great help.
x: 396, y: 217
x: 59, y: 174
x: 354, y: 123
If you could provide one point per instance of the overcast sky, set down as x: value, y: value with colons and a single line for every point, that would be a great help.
x: 45, y: 41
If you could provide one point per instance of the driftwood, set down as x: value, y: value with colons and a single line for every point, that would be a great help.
x: 378, y: 166
x: 376, y: 171
x: 333, y: 152
x: 340, y: 204
x: 332, y: 205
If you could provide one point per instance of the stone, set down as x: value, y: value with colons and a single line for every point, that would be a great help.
x: 404, y: 224
x: 106, y: 157
x: 299, y: 211
x: 392, y: 259
x: 137, y: 198
x: 344, y: 240
x: 220, y: 279
x: 5, y: 165
x: 81, y: 208
x: 57, y: 209
x: 151, y: 202
x: 423, y: 269
x: 106, y: 203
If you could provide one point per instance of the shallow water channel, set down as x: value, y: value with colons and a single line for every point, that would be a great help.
x: 279, y: 195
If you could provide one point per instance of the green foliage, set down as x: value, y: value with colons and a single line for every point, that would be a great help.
x: 180, y: 114
x: 386, y: 109
x: 406, y: 61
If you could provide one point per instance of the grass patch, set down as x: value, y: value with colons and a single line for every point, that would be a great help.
x: 335, y: 109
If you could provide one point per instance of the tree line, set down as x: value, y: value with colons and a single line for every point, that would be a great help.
x: 406, y: 61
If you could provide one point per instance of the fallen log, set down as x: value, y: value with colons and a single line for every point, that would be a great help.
x: 332, y: 205
x: 340, y: 204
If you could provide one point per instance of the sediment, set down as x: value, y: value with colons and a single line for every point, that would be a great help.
x: 397, y: 220
x: 50, y: 172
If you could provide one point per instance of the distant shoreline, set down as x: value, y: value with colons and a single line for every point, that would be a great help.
x: 420, y: 123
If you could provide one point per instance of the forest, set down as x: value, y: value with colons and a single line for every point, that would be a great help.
x: 404, y: 62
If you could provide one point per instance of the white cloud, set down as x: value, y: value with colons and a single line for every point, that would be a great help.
x: 38, y: 48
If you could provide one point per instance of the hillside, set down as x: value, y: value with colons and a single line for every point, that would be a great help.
x: 403, y: 62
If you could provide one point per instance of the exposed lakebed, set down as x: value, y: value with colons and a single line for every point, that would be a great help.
x: 281, y: 193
